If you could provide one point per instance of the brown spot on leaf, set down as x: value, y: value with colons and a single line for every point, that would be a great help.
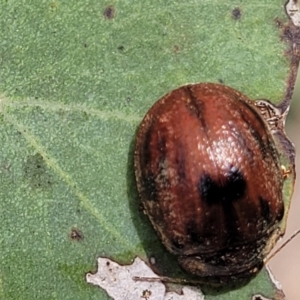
x: 176, y: 48
x: 76, y: 234
x: 236, y: 13
x: 109, y: 12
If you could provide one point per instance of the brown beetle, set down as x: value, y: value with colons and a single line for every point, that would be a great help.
x: 210, y: 180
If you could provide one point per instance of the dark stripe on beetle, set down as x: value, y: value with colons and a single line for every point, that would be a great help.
x: 162, y: 180
x: 196, y: 107
x: 146, y: 146
x: 161, y: 146
x: 274, y: 153
x: 263, y: 145
x: 231, y: 223
x: 149, y: 190
x: 180, y: 162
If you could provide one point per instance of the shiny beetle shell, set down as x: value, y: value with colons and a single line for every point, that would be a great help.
x: 210, y: 180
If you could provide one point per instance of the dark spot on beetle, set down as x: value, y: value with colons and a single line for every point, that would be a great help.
x: 265, y: 209
x: 236, y: 13
x: 267, y: 215
x: 76, y: 234
x: 224, y: 193
x: 37, y: 172
x: 196, y: 107
x: 149, y: 188
x: 231, y: 189
x: 280, y: 213
x: 177, y: 243
x: 121, y: 48
x: 107, y: 263
x: 109, y: 12
x: 192, y: 232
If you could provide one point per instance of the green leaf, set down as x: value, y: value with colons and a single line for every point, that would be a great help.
x: 76, y: 79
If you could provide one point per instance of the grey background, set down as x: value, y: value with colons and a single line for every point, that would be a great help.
x: 285, y: 265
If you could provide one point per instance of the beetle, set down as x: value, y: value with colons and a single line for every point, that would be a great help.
x: 210, y: 179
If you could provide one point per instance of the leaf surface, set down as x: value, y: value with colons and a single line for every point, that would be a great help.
x: 76, y: 79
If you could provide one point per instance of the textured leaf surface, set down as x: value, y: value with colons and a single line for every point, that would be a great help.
x: 76, y: 79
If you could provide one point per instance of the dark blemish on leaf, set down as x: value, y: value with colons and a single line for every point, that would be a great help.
x: 53, y: 5
x: 85, y: 45
x: 37, y: 172
x: 236, y: 13
x: 6, y: 166
x: 121, y: 48
x: 221, y: 81
x: 109, y: 12
x: 76, y: 234
x: 176, y: 48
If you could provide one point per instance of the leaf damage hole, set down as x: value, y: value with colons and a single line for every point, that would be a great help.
x: 259, y: 297
x: 118, y: 280
x: 76, y: 234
